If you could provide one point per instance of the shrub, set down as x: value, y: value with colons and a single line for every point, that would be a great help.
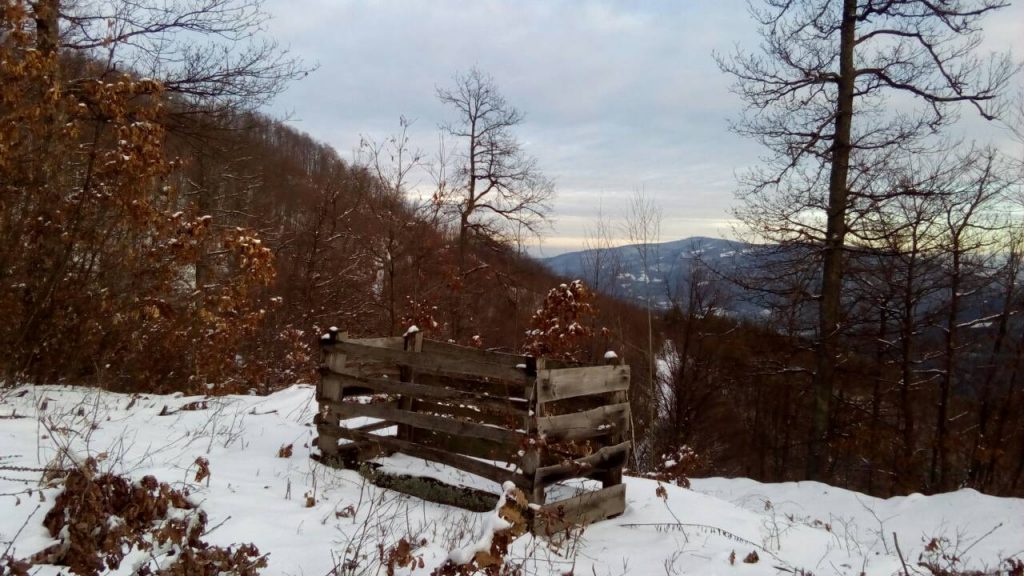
x: 99, y: 519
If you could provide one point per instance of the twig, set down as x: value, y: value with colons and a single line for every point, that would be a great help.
x: 18, y: 533
x: 705, y: 528
x: 214, y: 527
x: 983, y: 536
x: 899, y: 553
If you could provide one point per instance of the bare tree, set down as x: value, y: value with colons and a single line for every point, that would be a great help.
x: 393, y: 162
x: 819, y: 98
x: 601, y: 266
x: 643, y: 229
x: 901, y: 272
x: 971, y: 228
x: 210, y: 53
x: 496, y: 187
x: 600, y: 260
x: 696, y: 296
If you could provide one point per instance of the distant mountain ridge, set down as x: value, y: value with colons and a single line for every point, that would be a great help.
x: 620, y: 271
x: 720, y: 264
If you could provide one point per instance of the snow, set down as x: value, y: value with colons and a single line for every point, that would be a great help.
x: 493, y: 522
x: 255, y: 496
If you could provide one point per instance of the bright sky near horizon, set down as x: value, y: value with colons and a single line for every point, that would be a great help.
x: 618, y: 95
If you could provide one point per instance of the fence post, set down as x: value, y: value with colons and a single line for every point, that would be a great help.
x: 531, y: 457
x: 414, y: 343
x: 614, y: 477
x: 333, y: 391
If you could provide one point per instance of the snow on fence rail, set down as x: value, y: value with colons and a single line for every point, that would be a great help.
x: 503, y: 417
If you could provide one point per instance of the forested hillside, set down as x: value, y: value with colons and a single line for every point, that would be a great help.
x: 162, y: 225
x: 158, y: 233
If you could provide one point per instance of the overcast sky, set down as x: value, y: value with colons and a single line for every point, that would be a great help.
x: 618, y: 95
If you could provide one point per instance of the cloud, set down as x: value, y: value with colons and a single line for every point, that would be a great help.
x: 618, y: 95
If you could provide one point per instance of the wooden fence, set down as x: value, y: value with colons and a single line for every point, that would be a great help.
x: 506, y: 418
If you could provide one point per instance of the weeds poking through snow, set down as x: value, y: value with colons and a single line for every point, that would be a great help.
x: 202, y: 470
x: 352, y: 522
x: 945, y: 556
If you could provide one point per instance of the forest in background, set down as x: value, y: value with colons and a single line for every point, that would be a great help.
x: 157, y: 233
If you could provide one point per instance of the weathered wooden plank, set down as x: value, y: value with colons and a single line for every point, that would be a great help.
x: 349, y: 379
x: 573, y: 382
x: 475, y: 447
x: 413, y: 343
x: 334, y: 361
x: 614, y: 476
x: 327, y: 442
x: 606, y: 458
x: 423, y: 362
x: 374, y: 426
x: 344, y: 410
x: 515, y: 392
x: 584, y: 509
x: 531, y: 459
x: 579, y: 403
x: 455, y: 350
x: 351, y: 454
x: 436, y: 380
x: 328, y: 389
x: 395, y: 342
x: 464, y: 463
x: 586, y: 424
x: 470, y: 413
x: 432, y: 490
x: 390, y: 413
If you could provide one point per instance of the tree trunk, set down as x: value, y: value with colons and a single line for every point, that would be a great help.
x: 876, y: 398
x: 976, y: 476
x: 463, y: 255
x: 46, y: 13
x: 467, y: 211
x: 1006, y: 415
x: 903, y: 465
x: 939, y: 470
x: 681, y: 428
x: 835, y: 235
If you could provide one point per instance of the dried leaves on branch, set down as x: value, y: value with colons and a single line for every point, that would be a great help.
x: 561, y: 327
x: 97, y: 247
x: 101, y: 518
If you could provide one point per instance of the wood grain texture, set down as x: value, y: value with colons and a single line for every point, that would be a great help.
x: 584, y: 509
x: 438, y: 363
x: 607, y: 458
x: 475, y: 409
x: 392, y: 413
x: 483, y: 469
x: 565, y: 383
x: 592, y: 423
x: 352, y: 383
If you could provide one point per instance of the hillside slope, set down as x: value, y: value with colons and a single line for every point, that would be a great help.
x: 255, y: 495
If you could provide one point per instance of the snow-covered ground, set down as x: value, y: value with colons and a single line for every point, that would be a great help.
x: 255, y: 495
